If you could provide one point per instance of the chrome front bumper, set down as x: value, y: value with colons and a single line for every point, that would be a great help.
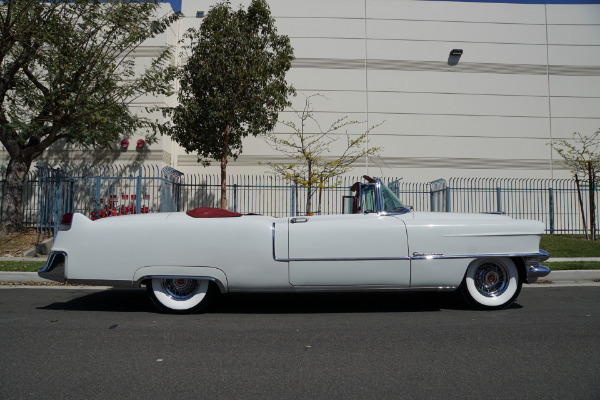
x: 534, y: 269
x: 54, y: 269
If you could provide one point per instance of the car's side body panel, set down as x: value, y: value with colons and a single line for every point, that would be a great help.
x: 442, y: 245
x: 258, y: 253
x: 115, y: 248
x: 471, y: 234
x: 348, y: 250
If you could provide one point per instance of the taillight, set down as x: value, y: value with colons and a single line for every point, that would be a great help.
x: 65, y: 222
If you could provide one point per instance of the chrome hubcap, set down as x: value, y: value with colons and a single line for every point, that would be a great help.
x: 491, y: 279
x: 180, y: 288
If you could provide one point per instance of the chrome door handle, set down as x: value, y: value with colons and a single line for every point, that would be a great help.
x: 298, y: 220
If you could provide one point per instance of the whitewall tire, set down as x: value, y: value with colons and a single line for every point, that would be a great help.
x: 180, y: 295
x: 491, y: 283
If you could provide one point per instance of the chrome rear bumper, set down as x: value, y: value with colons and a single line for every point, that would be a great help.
x: 54, y: 269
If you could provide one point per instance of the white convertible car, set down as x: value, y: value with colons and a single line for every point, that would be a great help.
x: 185, y: 258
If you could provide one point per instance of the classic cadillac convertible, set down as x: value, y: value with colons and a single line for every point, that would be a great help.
x: 183, y: 259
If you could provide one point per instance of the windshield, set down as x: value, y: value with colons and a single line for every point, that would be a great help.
x: 390, y: 202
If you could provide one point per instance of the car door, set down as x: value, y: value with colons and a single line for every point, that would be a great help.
x: 348, y: 250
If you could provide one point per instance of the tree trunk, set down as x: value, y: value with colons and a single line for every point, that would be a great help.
x: 309, y: 193
x: 581, y: 207
x: 12, y: 195
x: 592, y: 190
x: 224, y: 168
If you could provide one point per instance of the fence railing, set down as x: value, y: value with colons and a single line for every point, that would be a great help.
x: 555, y: 202
x: 271, y: 195
x: 100, y: 192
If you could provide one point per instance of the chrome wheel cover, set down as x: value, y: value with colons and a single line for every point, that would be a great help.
x: 180, y: 289
x: 491, y: 279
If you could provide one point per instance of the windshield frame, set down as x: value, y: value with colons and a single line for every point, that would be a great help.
x: 380, y: 189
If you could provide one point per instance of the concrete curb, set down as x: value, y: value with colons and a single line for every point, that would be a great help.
x: 38, y: 258
x: 41, y: 249
x: 587, y: 277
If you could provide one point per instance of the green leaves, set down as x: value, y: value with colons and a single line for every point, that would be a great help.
x: 76, y: 74
x: 234, y: 77
x: 579, y: 152
x: 68, y: 72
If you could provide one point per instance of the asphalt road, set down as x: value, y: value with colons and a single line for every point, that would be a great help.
x: 81, y: 343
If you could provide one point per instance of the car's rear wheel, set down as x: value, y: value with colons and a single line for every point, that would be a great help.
x: 180, y: 295
x: 491, y: 283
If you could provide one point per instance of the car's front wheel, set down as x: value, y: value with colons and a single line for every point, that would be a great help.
x: 491, y: 283
x: 180, y: 295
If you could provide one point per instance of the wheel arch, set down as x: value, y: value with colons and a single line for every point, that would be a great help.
x: 214, y: 275
x: 520, y: 264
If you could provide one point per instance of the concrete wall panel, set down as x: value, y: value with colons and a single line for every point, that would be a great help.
x: 456, y: 31
x: 456, y: 104
x: 456, y: 11
x: 450, y: 82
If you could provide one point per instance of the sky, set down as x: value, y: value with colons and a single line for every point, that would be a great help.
x: 175, y: 4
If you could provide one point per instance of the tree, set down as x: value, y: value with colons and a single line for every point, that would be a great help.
x: 306, y: 147
x: 582, y: 156
x: 578, y: 153
x: 233, y: 84
x: 67, y: 73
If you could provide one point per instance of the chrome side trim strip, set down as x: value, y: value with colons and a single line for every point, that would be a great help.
x: 352, y: 259
x: 454, y: 256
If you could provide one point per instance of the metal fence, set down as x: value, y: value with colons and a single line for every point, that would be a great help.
x: 30, y: 199
x: 271, y: 195
x: 100, y: 192
x: 555, y: 202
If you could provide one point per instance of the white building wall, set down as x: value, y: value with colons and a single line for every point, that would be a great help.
x: 529, y: 73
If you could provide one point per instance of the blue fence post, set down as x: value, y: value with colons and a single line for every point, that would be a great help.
x: 57, y: 202
x: 235, y: 197
x: 498, y: 199
x: 96, y: 197
x: 551, y: 211
x: 138, y: 192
